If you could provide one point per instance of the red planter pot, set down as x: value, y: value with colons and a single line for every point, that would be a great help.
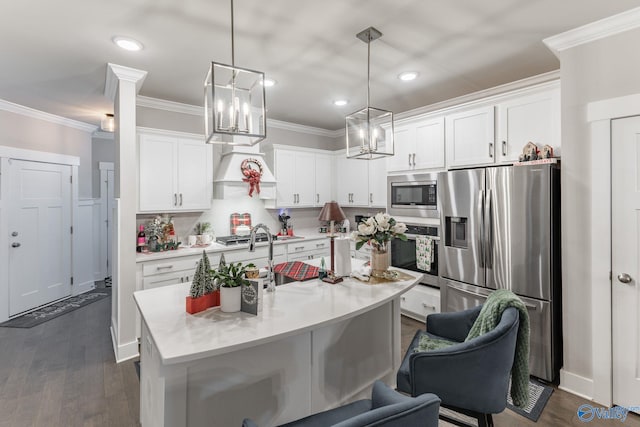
x: 214, y: 298
x: 196, y: 305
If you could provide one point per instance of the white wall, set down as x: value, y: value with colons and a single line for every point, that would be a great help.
x: 602, y: 69
x: 33, y: 134
x: 102, y: 150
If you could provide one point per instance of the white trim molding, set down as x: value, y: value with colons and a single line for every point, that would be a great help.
x: 166, y: 132
x: 603, y: 28
x: 194, y: 110
x: 115, y: 73
x: 607, y: 109
x: 100, y: 134
x: 576, y: 384
x: 38, y: 156
x: 47, y: 117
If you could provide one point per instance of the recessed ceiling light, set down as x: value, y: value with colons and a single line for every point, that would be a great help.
x: 408, y: 76
x: 269, y: 82
x: 340, y: 102
x: 128, y: 43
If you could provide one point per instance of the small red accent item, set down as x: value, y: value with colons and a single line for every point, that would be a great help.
x: 252, y: 175
x: 196, y: 305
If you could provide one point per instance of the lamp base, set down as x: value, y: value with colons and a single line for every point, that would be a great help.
x: 332, y: 279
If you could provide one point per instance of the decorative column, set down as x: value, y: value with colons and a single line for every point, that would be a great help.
x: 122, y: 86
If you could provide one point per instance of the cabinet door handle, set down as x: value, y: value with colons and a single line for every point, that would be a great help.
x: 297, y: 197
x: 175, y: 199
x: 370, y: 197
x: 162, y: 267
x: 317, y: 198
x: 182, y: 280
x: 319, y: 245
x: 425, y: 305
x: 409, y: 159
x: 504, y: 148
x: 414, y: 159
x: 491, y: 149
x: 180, y: 199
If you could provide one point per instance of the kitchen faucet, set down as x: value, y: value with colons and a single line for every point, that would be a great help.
x: 271, y: 287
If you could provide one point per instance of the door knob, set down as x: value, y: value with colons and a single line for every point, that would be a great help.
x: 15, y: 245
x: 14, y: 234
x: 624, y: 278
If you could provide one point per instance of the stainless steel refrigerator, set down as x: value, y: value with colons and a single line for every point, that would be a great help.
x: 500, y: 228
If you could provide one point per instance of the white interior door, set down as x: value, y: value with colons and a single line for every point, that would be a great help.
x: 40, y: 234
x: 625, y: 234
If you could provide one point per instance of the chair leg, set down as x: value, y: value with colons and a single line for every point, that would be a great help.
x: 485, y: 420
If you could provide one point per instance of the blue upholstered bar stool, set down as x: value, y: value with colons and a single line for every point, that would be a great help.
x: 385, y: 408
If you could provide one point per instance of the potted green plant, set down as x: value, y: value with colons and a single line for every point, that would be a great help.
x: 201, y: 229
x: 231, y: 277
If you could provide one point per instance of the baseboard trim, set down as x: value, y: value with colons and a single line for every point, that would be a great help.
x: 576, y: 384
x: 126, y: 351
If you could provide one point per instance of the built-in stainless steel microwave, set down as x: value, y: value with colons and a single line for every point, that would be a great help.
x: 414, y: 195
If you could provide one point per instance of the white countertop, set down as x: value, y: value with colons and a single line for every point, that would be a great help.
x: 292, y: 309
x: 216, y: 247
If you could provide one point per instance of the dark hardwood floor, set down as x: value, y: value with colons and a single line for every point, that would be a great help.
x: 63, y: 373
x: 561, y: 410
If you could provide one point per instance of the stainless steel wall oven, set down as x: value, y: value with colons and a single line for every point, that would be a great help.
x: 403, y: 254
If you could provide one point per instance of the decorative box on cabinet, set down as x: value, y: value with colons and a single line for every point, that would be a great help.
x: 470, y: 137
x: 418, y: 145
x: 528, y: 118
x: 174, y: 173
x: 420, y: 301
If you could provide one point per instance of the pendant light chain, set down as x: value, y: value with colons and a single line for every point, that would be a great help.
x: 233, y: 49
x: 368, y: 80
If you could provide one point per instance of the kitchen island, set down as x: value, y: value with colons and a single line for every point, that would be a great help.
x: 314, y: 346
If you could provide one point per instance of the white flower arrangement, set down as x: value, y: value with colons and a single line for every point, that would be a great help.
x: 378, y: 230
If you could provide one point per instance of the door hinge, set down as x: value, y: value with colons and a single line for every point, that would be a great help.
x: 71, y: 229
x: 71, y: 179
x: 72, y: 280
x: 610, y: 275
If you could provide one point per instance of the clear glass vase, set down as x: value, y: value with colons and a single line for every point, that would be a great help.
x: 380, y: 259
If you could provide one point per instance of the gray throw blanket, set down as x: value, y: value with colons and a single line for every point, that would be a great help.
x: 488, y: 319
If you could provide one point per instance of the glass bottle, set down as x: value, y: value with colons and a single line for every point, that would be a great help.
x: 322, y: 272
x: 141, y: 239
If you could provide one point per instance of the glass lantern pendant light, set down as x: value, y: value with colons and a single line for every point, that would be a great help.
x: 370, y: 130
x: 234, y: 103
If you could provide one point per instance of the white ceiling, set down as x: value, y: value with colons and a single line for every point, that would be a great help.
x: 54, y: 53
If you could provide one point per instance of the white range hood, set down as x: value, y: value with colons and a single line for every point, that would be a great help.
x: 228, y: 180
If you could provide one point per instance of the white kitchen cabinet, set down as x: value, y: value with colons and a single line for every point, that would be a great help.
x: 323, y: 179
x: 304, y: 178
x: 169, y: 271
x: 174, y: 173
x: 306, y: 250
x: 378, y: 183
x: 470, y: 137
x: 419, y: 145
x: 529, y: 118
x: 352, y: 181
x: 420, y: 301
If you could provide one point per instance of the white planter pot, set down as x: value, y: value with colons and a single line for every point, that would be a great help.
x: 230, y: 299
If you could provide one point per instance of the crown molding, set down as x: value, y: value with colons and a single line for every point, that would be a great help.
x: 606, y: 27
x: 542, y: 81
x: 294, y: 127
x: 47, y: 117
x: 166, y: 132
x: 194, y: 110
x: 162, y: 104
x: 115, y: 73
x: 103, y: 135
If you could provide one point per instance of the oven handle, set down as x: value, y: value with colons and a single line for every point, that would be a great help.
x: 413, y: 237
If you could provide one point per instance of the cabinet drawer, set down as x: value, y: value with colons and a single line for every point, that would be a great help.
x: 166, y: 279
x: 312, y: 245
x: 171, y: 264
x: 243, y: 255
x: 305, y: 256
x: 420, y: 301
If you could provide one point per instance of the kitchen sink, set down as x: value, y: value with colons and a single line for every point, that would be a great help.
x: 281, y: 279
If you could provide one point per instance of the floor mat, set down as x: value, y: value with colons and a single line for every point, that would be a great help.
x: 56, y: 309
x: 538, y: 397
